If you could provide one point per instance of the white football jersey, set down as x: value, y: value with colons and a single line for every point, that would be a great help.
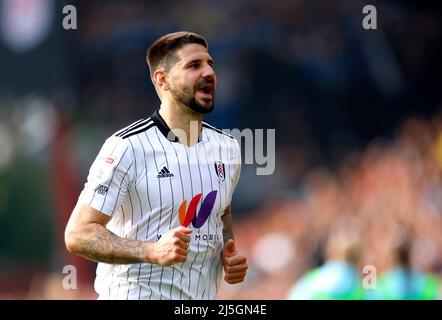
x: 150, y: 183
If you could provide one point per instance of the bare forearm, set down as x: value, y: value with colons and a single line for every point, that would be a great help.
x: 97, y: 243
x: 227, y: 224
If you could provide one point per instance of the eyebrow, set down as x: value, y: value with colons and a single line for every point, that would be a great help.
x: 210, y: 61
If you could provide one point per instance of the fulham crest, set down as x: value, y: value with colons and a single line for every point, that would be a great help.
x: 220, y: 170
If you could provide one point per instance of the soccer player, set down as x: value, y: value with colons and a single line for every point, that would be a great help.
x: 155, y: 211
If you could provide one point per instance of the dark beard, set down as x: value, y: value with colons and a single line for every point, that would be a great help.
x: 197, y: 107
x: 186, y: 97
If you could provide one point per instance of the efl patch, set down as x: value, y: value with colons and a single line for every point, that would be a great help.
x: 102, y: 189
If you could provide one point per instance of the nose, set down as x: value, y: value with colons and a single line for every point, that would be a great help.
x: 208, y: 72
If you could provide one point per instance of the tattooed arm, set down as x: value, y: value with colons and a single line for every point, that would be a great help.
x: 227, y: 224
x: 87, y: 236
x: 234, y: 262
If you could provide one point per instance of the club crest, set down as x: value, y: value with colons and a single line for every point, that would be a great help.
x: 220, y: 170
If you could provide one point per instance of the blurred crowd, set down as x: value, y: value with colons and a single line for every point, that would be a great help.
x: 306, y: 68
x: 389, y: 189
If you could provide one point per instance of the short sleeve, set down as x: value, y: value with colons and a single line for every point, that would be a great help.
x: 237, y: 165
x: 109, y: 177
x: 236, y: 168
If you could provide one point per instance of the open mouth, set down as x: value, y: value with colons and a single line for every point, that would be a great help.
x: 206, y: 90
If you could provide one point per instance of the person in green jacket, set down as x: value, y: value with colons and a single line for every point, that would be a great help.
x: 403, y: 282
x: 337, y: 279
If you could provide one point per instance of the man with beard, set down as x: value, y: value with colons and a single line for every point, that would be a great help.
x: 155, y: 211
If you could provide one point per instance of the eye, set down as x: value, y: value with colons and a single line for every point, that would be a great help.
x: 194, y: 65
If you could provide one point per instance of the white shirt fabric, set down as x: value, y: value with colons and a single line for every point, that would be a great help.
x: 141, y: 177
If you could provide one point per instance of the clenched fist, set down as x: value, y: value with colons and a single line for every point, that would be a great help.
x: 235, y: 263
x: 171, y: 248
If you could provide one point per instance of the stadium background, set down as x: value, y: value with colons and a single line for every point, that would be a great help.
x: 357, y: 115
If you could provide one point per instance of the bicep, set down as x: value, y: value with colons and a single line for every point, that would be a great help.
x: 84, y: 222
x: 83, y: 215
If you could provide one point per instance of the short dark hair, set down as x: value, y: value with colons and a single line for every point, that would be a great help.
x: 167, y: 44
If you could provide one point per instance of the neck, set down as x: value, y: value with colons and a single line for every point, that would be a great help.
x: 182, y: 121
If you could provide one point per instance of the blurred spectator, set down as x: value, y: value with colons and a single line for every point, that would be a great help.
x: 338, y: 278
x: 403, y: 281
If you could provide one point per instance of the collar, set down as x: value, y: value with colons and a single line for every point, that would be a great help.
x: 163, y: 127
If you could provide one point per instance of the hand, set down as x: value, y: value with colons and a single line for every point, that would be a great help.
x: 235, y: 264
x: 171, y: 248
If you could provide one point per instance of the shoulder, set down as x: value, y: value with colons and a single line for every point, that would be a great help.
x: 221, y: 136
x: 226, y: 139
x: 136, y: 128
x: 216, y: 131
x: 125, y: 139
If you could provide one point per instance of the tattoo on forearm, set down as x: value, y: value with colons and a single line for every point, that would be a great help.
x: 227, y: 224
x: 101, y: 245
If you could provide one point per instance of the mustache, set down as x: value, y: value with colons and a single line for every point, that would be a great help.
x: 205, y: 83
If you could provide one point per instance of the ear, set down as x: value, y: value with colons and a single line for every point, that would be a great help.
x: 160, y: 79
